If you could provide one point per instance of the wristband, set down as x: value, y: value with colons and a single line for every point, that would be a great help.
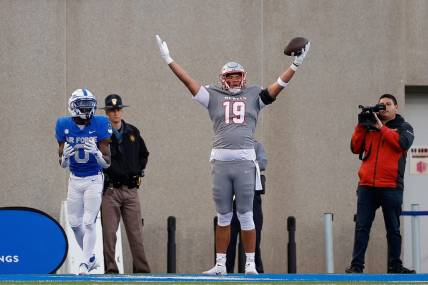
x: 168, y: 59
x: 100, y: 159
x: 65, y: 162
x: 281, y: 82
x: 294, y: 66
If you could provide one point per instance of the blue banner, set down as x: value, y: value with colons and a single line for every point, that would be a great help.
x: 31, y: 242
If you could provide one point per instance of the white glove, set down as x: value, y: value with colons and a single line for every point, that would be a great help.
x: 298, y: 60
x: 67, y: 152
x: 164, y: 51
x: 91, y: 147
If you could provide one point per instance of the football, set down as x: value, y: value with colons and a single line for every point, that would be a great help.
x: 295, y: 46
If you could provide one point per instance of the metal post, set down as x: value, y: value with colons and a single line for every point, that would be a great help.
x: 291, y: 253
x: 416, y: 242
x: 328, y: 236
x: 215, y: 249
x: 171, y: 256
x: 241, y: 256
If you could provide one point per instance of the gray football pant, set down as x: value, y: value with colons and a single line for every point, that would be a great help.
x: 233, y: 178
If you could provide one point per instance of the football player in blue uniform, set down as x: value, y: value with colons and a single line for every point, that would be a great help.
x: 83, y: 140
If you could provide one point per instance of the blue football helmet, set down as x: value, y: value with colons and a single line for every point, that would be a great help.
x: 82, y: 104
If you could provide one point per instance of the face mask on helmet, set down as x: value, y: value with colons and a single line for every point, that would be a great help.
x: 233, y: 77
x: 82, y: 104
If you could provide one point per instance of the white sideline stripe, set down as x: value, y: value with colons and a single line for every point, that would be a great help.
x: 192, y: 277
x: 177, y: 278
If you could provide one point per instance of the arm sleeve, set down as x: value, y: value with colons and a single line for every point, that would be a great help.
x: 144, y: 153
x: 59, y: 131
x: 265, y: 98
x: 105, y: 129
x: 357, y: 140
x: 202, y: 97
x: 406, y: 136
x: 401, y: 139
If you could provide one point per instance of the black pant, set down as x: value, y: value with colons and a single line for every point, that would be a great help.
x: 369, y: 200
x: 235, y: 228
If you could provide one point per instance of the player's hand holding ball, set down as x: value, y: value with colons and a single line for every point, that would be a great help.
x: 298, y: 60
x: 164, y: 51
x: 299, y: 48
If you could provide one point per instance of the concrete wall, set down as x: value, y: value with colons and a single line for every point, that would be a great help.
x: 360, y: 50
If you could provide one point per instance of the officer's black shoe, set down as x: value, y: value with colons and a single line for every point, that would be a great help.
x: 354, y: 269
x: 400, y: 269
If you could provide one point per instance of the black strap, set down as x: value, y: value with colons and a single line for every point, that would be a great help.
x: 266, y: 98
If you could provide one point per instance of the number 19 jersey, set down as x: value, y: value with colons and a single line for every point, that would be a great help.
x: 234, y: 116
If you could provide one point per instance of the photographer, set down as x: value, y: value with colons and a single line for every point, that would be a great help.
x: 122, y: 179
x: 382, y: 143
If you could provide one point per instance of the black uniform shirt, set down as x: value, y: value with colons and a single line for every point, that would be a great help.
x: 128, y: 155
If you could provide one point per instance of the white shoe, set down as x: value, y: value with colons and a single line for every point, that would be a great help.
x: 86, y: 268
x: 83, y: 269
x: 92, y: 264
x: 218, y: 269
x: 250, y: 268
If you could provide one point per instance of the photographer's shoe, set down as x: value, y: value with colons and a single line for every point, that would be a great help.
x: 354, y: 269
x: 400, y: 269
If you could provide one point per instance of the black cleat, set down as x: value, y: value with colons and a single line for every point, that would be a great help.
x: 354, y: 269
x: 400, y: 269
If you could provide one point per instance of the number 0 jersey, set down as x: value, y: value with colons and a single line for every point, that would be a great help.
x: 234, y: 116
x: 83, y: 164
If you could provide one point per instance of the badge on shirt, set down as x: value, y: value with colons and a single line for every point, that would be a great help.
x: 132, y: 138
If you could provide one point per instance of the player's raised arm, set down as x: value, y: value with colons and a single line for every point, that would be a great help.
x: 286, y: 76
x: 190, y: 83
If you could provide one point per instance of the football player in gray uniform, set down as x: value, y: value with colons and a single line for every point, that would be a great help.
x: 233, y: 108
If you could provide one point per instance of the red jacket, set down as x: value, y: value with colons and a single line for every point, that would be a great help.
x: 383, y: 153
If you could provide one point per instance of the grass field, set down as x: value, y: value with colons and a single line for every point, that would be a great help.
x: 182, y: 279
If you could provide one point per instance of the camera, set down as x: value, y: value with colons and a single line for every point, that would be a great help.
x: 366, y: 117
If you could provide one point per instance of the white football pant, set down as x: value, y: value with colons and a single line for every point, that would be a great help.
x: 83, y: 204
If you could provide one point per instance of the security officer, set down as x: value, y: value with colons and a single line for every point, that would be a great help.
x: 122, y: 179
